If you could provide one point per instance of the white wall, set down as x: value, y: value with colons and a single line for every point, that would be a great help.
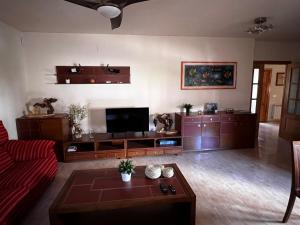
x: 155, y: 70
x: 276, y: 92
x: 12, y: 85
x: 280, y: 51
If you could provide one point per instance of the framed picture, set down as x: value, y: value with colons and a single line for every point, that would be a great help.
x: 280, y: 78
x: 208, y: 75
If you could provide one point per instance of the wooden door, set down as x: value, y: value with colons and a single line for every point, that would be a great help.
x: 290, y: 115
x: 265, y: 95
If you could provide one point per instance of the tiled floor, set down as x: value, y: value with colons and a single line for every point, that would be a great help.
x: 249, y: 186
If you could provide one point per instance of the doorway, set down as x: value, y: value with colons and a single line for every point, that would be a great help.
x: 268, y: 86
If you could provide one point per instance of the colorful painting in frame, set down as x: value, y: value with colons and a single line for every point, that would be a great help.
x: 208, y: 75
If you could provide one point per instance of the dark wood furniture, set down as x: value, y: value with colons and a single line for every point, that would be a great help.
x: 105, y: 145
x: 295, y: 188
x: 54, y: 128
x: 217, y: 131
x: 99, y: 196
x: 93, y: 75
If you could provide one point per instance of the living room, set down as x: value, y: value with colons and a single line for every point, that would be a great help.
x: 249, y: 185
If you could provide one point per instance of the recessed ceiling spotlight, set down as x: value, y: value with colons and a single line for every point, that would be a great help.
x: 260, y: 26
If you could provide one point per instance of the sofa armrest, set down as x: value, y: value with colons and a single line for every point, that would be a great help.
x: 21, y: 150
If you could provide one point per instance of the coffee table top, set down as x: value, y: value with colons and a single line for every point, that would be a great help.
x: 103, y: 189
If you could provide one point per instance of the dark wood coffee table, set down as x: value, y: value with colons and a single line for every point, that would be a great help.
x: 100, y: 197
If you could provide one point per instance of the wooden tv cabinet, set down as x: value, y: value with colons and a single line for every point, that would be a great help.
x: 105, y: 145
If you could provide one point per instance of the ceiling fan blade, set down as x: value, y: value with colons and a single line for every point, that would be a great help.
x: 129, y: 2
x: 116, y: 22
x: 87, y: 4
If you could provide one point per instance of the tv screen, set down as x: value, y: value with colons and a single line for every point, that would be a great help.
x: 120, y: 120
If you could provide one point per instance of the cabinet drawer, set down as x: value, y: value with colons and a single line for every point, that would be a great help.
x: 100, y: 155
x: 115, y: 154
x: 211, y: 118
x: 155, y: 152
x: 73, y: 156
x: 228, y: 118
x: 173, y: 151
x: 192, y: 129
x: 134, y: 153
x: 228, y: 141
x: 192, y: 119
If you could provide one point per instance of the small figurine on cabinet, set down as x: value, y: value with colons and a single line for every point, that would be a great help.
x: 163, y: 123
x: 47, y: 104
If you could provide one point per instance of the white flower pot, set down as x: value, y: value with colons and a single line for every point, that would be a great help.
x: 126, y: 177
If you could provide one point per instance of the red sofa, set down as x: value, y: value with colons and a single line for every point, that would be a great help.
x: 26, y: 170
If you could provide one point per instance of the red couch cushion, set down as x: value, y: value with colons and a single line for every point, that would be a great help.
x: 5, y: 160
x: 9, y: 199
x: 28, y: 173
x: 3, y: 134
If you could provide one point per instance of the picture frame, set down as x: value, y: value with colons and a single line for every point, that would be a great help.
x: 208, y: 75
x: 280, y: 79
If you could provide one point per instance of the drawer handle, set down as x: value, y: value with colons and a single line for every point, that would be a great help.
x: 204, y: 125
x: 199, y: 125
x: 211, y: 119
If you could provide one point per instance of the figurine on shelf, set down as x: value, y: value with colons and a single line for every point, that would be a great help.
x: 163, y: 123
x: 47, y: 104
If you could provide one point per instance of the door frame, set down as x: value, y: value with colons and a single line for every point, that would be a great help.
x: 260, y: 64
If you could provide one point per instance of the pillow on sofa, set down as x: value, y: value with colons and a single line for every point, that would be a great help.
x: 3, y: 134
x: 5, y: 160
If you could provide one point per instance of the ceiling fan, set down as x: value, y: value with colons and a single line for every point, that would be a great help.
x: 112, y: 9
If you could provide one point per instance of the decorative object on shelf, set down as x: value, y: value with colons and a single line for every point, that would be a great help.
x: 126, y: 168
x: 111, y: 69
x: 210, y: 108
x: 208, y: 75
x: 187, y: 108
x: 229, y: 110
x: 163, y: 123
x: 110, y: 9
x: 260, y: 26
x: 153, y: 171
x: 76, y: 114
x: 47, y: 103
x: 280, y: 79
x: 168, y: 172
x: 75, y: 69
x: 68, y: 81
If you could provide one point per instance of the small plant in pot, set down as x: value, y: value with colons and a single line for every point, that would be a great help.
x: 126, y: 168
x: 76, y: 114
x: 188, y: 108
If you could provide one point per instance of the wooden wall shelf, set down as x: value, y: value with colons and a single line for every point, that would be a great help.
x: 92, y: 75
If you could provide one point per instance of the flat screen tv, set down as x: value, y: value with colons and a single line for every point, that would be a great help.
x: 119, y: 120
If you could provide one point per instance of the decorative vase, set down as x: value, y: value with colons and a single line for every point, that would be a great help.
x: 187, y: 110
x: 126, y: 177
x: 77, y: 131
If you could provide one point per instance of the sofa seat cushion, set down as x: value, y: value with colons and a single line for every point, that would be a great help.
x: 9, y: 199
x: 28, y: 173
x: 5, y: 160
x: 3, y: 134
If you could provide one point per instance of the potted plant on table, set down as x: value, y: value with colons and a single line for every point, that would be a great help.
x: 76, y: 114
x: 188, y: 108
x: 126, y: 168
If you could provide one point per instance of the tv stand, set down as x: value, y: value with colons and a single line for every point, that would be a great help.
x: 109, y: 145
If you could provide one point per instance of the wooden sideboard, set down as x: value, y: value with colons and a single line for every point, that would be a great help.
x: 217, y: 131
x: 54, y: 128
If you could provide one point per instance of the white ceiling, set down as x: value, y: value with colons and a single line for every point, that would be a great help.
x: 213, y: 18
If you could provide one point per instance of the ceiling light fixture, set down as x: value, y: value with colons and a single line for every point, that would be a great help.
x: 260, y: 26
x: 109, y: 11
